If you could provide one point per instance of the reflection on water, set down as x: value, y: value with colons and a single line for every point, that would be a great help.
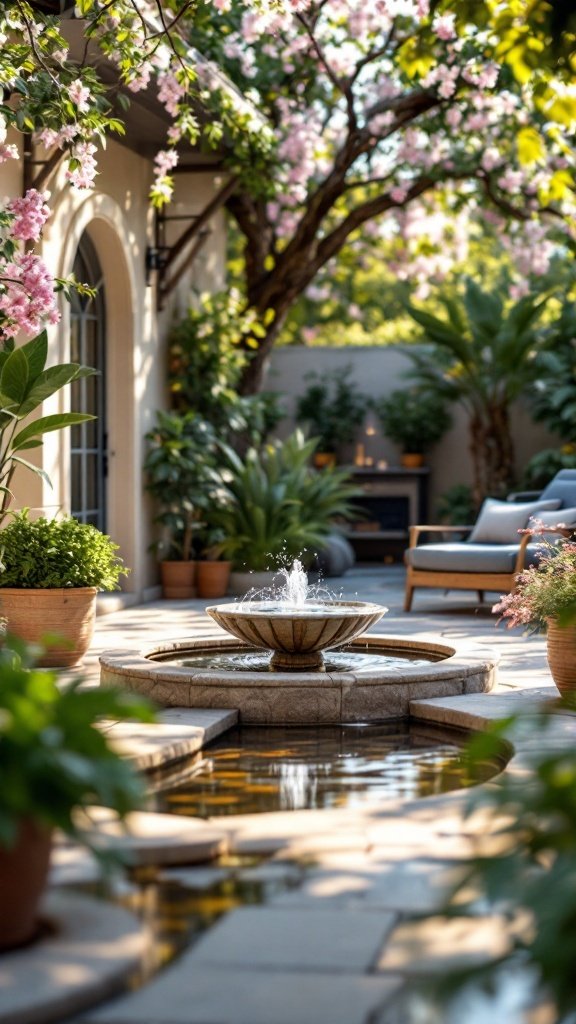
x: 255, y: 769
x: 259, y: 661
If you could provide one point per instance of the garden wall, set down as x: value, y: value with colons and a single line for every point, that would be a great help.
x: 378, y: 371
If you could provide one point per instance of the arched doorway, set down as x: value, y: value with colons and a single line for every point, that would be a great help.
x: 88, y: 441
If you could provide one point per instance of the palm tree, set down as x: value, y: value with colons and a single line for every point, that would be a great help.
x: 483, y: 357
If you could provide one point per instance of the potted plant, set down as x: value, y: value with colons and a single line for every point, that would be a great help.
x: 332, y: 409
x: 176, y: 468
x: 415, y: 420
x: 273, y: 507
x: 25, y: 383
x: 54, y: 760
x: 50, y: 574
x: 545, y: 597
x: 213, y: 569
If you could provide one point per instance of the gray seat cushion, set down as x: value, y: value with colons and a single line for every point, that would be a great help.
x: 467, y: 557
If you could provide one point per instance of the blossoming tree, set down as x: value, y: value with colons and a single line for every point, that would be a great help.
x: 359, y: 112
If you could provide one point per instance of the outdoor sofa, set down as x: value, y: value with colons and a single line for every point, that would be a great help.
x: 493, y: 553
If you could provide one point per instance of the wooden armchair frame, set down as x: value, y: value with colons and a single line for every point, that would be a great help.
x: 503, y: 582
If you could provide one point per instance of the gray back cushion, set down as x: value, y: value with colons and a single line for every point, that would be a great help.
x: 499, y: 521
x: 563, y: 487
x: 563, y: 516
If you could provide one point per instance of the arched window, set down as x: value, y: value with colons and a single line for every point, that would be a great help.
x: 88, y: 346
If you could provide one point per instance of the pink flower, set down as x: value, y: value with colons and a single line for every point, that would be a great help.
x: 80, y: 95
x: 83, y: 176
x: 444, y: 27
x: 30, y: 215
x: 27, y: 298
x: 8, y: 153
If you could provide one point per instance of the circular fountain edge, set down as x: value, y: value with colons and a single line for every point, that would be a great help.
x: 310, y: 698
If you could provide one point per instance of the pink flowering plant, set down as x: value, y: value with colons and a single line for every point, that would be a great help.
x: 545, y: 591
x: 27, y: 304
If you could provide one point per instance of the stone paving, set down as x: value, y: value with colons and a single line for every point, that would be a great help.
x: 340, y: 946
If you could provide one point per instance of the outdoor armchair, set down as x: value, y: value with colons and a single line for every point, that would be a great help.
x: 493, y: 552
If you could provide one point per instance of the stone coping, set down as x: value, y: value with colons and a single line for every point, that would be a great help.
x: 367, y: 693
x: 91, y: 951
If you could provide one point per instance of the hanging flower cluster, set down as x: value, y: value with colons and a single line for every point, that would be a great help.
x: 27, y: 298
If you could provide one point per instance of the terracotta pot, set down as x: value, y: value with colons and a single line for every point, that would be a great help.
x: 178, y: 580
x: 412, y: 460
x: 561, y: 652
x: 66, y: 613
x: 212, y: 578
x: 324, y: 459
x: 23, y: 873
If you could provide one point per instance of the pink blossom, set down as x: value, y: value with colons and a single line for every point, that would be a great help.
x: 170, y: 92
x: 84, y: 175
x: 30, y: 215
x: 444, y: 27
x: 8, y: 153
x: 398, y: 194
x: 491, y: 158
x: 27, y: 298
x: 453, y: 117
x: 80, y: 95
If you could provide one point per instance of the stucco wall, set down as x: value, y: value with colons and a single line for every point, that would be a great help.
x: 117, y: 216
x: 377, y: 372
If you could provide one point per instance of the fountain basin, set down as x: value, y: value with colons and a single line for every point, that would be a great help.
x: 297, y: 636
x: 370, y: 693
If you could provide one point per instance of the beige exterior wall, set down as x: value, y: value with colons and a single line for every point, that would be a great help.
x: 377, y: 372
x: 117, y: 216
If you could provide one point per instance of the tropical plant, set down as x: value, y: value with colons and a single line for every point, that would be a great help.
x: 456, y: 506
x: 272, y: 506
x: 53, y: 757
x: 413, y: 418
x: 482, y: 356
x: 45, y: 553
x: 181, y: 450
x: 543, y: 466
x: 25, y: 383
x: 332, y: 408
x: 553, y: 393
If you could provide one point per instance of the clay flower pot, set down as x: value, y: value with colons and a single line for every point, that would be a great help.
x: 23, y: 873
x: 66, y: 613
x: 561, y: 653
x: 212, y: 578
x: 178, y: 579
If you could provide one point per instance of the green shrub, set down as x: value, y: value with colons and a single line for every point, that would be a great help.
x: 332, y: 408
x: 273, y: 507
x: 413, y: 418
x: 44, y: 553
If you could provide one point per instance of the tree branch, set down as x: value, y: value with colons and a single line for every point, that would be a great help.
x: 341, y: 85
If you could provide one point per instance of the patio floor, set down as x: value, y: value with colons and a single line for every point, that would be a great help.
x: 340, y: 946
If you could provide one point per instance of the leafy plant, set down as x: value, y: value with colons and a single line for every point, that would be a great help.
x: 543, y: 466
x: 482, y: 356
x: 456, y: 506
x: 332, y: 408
x: 272, y: 507
x: 554, y: 391
x: 53, y: 757
x: 25, y: 383
x: 181, y: 450
x: 533, y: 879
x: 205, y: 364
x: 44, y: 553
x: 413, y: 418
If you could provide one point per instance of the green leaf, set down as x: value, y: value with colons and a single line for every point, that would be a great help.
x: 47, y: 423
x: 14, y: 377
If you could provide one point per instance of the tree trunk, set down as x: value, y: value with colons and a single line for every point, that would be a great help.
x: 492, y: 451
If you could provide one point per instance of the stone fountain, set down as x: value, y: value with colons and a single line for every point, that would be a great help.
x: 295, y: 657
x: 297, y: 630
